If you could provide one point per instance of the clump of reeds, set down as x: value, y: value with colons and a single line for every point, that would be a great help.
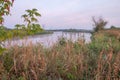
x: 66, y: 61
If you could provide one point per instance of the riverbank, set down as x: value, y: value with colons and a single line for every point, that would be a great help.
x: 110, y: 33
x: 72, y: 30
x: 66, y: 60
x: 44, y: 32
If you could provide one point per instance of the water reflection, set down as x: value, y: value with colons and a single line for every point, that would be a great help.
x: 49, y: 39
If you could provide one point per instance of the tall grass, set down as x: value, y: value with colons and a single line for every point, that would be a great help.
x: 67, y: 60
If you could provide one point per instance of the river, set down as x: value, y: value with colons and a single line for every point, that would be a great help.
x: 48, y: 40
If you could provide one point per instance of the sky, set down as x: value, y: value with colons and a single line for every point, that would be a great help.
x: 66, y: 14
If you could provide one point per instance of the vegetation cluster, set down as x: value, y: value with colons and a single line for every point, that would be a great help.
x: 97, y: 60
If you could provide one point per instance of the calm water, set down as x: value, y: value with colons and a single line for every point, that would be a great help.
x: 49, y: 39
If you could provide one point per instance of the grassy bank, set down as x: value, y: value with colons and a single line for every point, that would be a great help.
x: 97, y: 60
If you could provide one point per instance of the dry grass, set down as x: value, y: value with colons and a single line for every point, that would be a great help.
x: 112, y: 32
x: 71, y: 61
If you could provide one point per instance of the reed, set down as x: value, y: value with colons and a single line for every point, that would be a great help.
x: 66, y: 61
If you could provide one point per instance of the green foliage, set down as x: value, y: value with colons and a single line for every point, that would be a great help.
x: 5, y: 8
x: 71, y: 76
x: 7, y: 61
x: 34, y: 29
x: 30, y: 17
x: 62, y: 41
x: 102, y: 41
x: 2, y: 50
x: 3, y: 36
x: 3, y: 33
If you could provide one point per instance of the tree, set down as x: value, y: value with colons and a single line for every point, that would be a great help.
x: 99, y: 24
x: 31, y: 15
x: 31, y: 18
x: 5, y: 9
x: 17, y: 26
x: 36, y: 28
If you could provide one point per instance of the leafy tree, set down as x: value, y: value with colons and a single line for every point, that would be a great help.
x: 23, y: 27
x: 17, y: 26
x: 31, y: 18
x: 99, y: 24
x: 36, y: 28
x: 20, y: 30
x: 31, y: 15
x: 5, y: 9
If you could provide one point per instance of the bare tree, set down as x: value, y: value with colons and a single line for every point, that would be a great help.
x: 99, y: 24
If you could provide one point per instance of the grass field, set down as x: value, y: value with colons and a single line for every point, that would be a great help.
x: 97, y: 60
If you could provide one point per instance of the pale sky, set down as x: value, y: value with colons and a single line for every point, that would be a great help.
x: 57, y: 14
